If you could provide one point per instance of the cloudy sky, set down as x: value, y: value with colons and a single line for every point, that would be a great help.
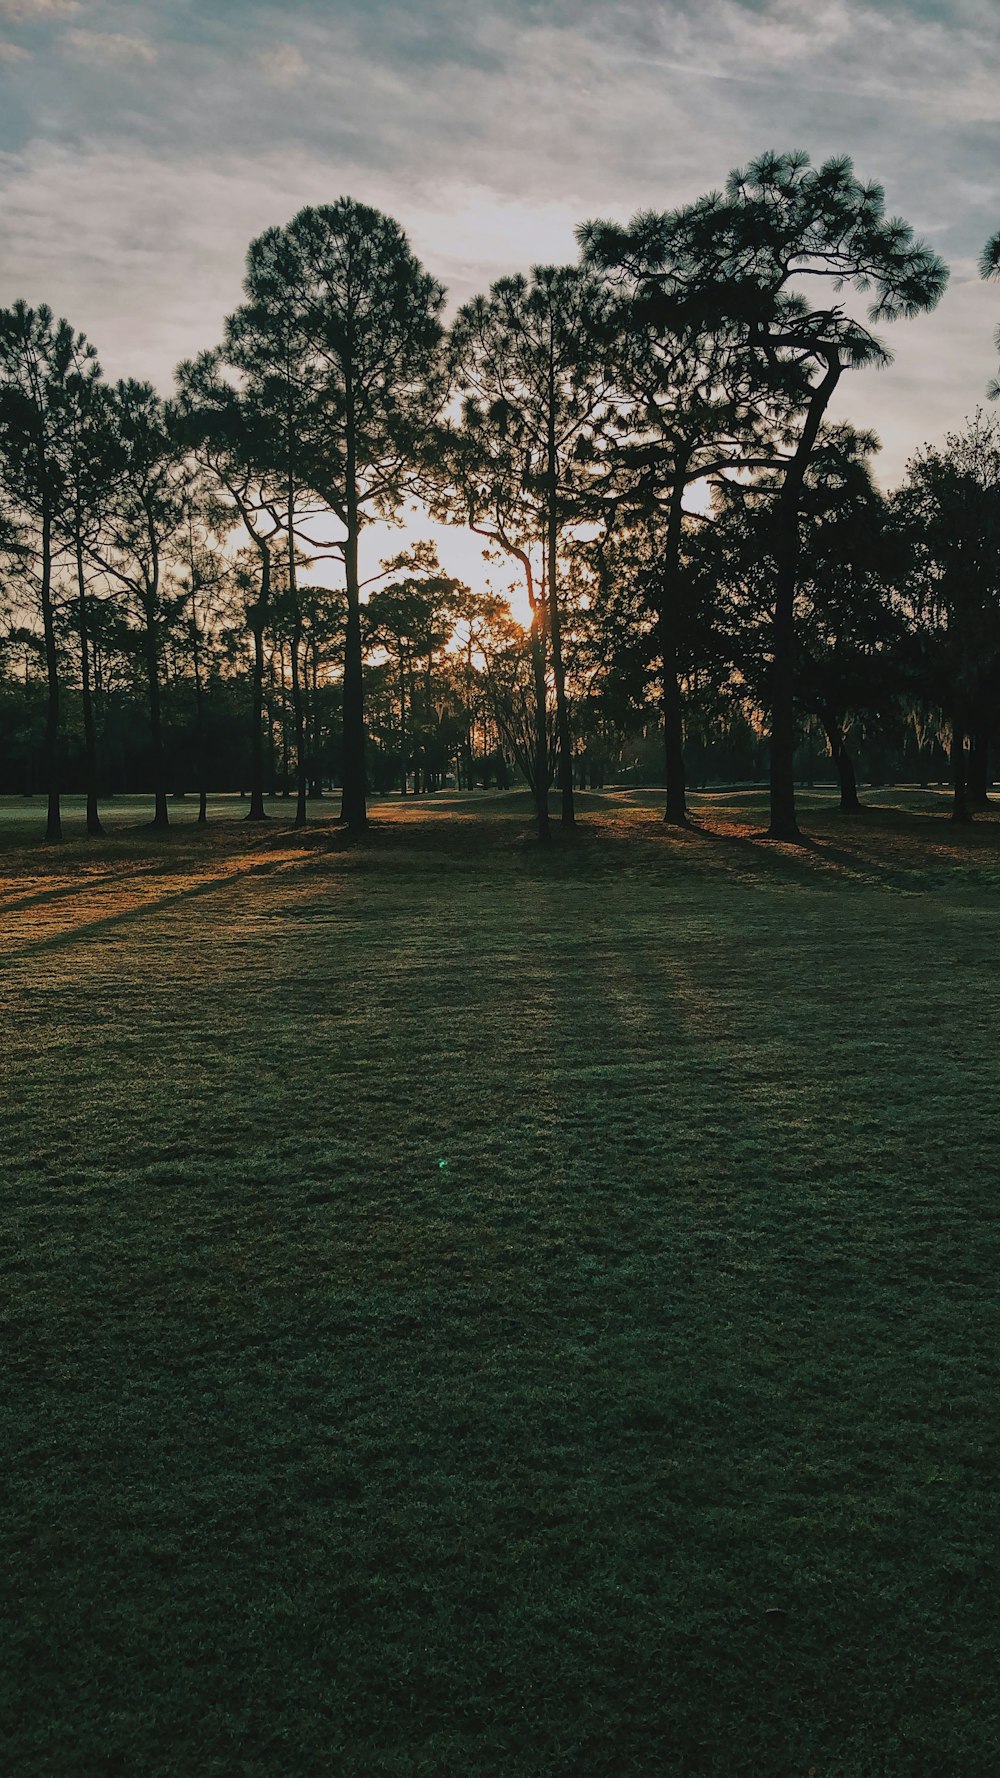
x: 144, y: 142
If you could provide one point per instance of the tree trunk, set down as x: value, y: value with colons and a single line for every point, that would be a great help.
x: 285, y: 765
x: 402, y: 724
x: 537, y: 644
x: 353, y: 806
x: 430, y: 774
x: 256, y: 811
x: 161, y: 817
x: 315, y: 729
x: 199, y: 706
x: 675, y: 812
x: 977, y: 783
x: 298, y: 703
x: 94, y: 827
x: 353, y: 802
x: 843, y: 764
x: 565, y: 774
x: 298, y: 715
x: 960, y: 805
x: 784, y: 824
x: 53, y: 823
x: 269, y: 712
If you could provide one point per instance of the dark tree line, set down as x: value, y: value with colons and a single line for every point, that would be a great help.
x: 641, y: 440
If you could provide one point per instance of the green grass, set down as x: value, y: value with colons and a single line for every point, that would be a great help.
x: 474, y: 1310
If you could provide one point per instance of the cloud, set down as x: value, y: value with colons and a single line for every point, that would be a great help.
x: 12, y: 52
x: 283, y: 66
x: 488, y: 130
x: 102, y: 47
x: 146, y: 255
x: 30, y: 12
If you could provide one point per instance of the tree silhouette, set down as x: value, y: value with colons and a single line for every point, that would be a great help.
x: 533, y: 361
x: 207, y: 578
x: 473, y: 477
x: 693, y: 408
x: 276, y: 426
x: 750, y: 253
x: 37, y: 358
x: 646, y: 434
x: 511, y: 689
x: 369, y: 316
x: 87, y: 496
x: 849, y: 629
x: 232, y: 438
x: 411, y: 619
x: 141, y: 524
x: 989, y: 267
x: 950, y: 506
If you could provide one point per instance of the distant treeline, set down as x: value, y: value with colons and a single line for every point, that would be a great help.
x: 215, y: 754
x: 717, y: 587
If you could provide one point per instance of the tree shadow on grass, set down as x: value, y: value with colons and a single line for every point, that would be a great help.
x: 810, y: 860
x: 908, y: 853
x: 89, y: 929
x: 92, y: 881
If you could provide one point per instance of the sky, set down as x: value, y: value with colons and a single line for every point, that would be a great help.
x: 143, y: 143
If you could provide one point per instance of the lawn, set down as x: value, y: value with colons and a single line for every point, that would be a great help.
x: 479, y: 1311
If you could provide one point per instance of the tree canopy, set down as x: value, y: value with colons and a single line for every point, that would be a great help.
x: 642, y: 444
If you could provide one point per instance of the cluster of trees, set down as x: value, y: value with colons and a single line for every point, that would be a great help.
x: 642, y: 437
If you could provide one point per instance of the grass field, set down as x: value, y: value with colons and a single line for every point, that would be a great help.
x: 479, y: 1310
